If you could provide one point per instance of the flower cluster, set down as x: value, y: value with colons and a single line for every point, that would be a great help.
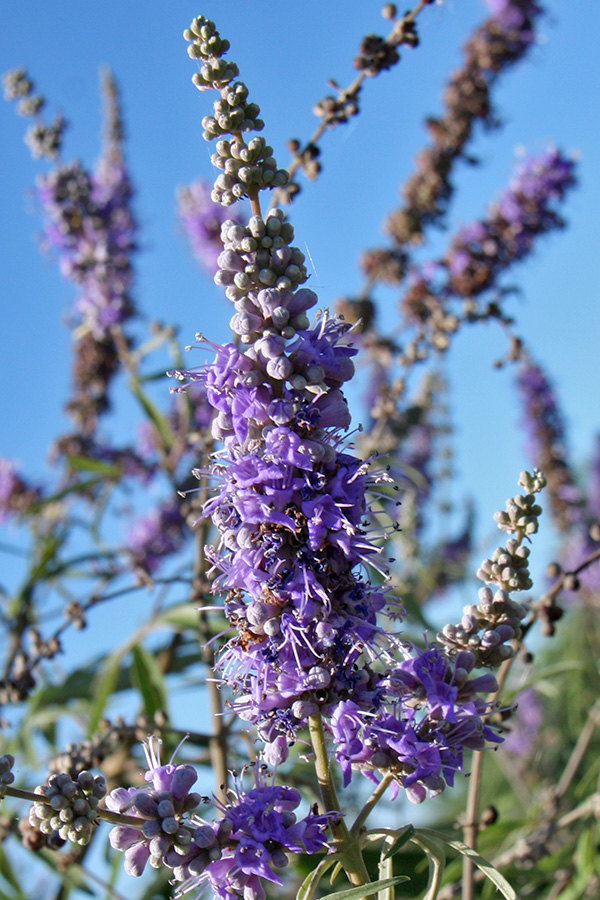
x: 157, y: 534
x: 16, y: 495
x: 432, y: 713
x: 201, y: 219
x: 576, y: 514
x: 524, y: 211
x: 248, y: 841
x: 297, y: 545
x: 501, y: 41
x: 488, y: 628
x: 547, y: 443
x: 483, y: 250
x: 161, y: 807
x: 69, y: 808
x: 89, y: 223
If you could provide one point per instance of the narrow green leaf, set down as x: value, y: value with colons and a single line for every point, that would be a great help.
x: 486, y: 867
x: 103, y: 688
x: 366, y: 890
x: 183, y: 616
x: 310, y: 883
x: 335, y: 872
x: 88, y: 464
x: 7, y: 873
x: 400, y: 837
x: 437, y: 862
x: 386, y: 869
x: 160, y: 422
x: 149, y: 680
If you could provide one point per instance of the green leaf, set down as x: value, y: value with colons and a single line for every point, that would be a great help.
x: 7, y: 873
x: 88, y: 464
x: 149, y: 680
x: 310, y: 883
x: 386, y: 868
x: 160, y: 422
x: 184, y: 616
x: 104, y: 688
x: 366, y: 890
x: 400, y: 837
x: 486, y: 867
x: 437, y: 862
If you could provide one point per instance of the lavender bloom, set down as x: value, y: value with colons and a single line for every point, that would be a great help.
x: 201, y: 219
x: 157, y: 534
x: 290, y: 501
x: 482, y: 250
x: 296, y: 546
x: 524, y: 724
x: 233, y: 853
x: 161, y: 808
x: 249, y: 842
x: 429, y: 713
x: 16, y: 496
x: 547, y: 443
x: 88, y: 221
x: 89, y: 225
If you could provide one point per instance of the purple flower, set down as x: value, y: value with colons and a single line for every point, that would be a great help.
x: 157, y: 534
x: 524, y: 724
x: 480, y: 251
x: 161, y: 809
x: 547, y: 443
x: 251, y: 841
x: 201, y: 219
x: 89, y: 223
x: 429, y: 712
x: 16, y: 495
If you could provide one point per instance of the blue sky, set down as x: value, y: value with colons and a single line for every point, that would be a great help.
x: 286, y: 52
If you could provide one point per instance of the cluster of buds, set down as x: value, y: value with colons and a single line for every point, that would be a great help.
x: 69, y: 808
x: 376, y: 54
x: 259, y: 256
x: 487, y: 628
x: 337, y: 110
x: 247, y: 168
x: 43, y: 140
x: 6, y: 773
x: 501, y: 40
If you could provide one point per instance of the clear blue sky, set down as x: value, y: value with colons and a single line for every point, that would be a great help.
x: 286, y: 52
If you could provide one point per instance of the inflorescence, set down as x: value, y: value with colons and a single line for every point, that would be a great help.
x: 300, y: 561
x: 299, y: 558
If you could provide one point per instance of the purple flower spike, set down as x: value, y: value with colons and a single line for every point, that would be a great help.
x: 201, y: 219
x: 251, y: 840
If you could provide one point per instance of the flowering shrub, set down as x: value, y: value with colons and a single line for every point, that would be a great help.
x: 322, y: 655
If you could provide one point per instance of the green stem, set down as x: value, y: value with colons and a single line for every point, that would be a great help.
x: 370, y: 805
x: 254, y: 203
x: 347, y: 847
